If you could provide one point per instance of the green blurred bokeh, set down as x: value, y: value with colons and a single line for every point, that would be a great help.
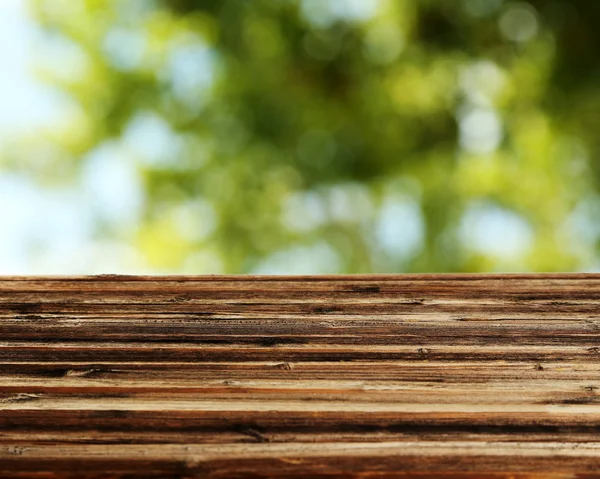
x: 337, y: 135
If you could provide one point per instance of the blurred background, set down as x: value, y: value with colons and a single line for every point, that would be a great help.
x: 299, y: 136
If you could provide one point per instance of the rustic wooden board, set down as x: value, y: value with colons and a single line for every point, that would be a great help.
x: 414, y: 376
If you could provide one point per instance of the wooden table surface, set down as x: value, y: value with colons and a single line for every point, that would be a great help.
x: 412, y: 376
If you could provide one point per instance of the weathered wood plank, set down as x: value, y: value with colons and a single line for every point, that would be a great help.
x: 437, y: 376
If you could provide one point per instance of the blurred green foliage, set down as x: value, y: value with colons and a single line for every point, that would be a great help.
x: 337, y: 135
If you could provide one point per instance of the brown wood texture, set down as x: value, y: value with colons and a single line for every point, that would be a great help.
x: 407, y: 376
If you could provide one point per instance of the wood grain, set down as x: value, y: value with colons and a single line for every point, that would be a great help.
x: 404, y: 376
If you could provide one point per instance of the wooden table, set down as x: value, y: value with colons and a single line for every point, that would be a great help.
x: 418, y: 376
